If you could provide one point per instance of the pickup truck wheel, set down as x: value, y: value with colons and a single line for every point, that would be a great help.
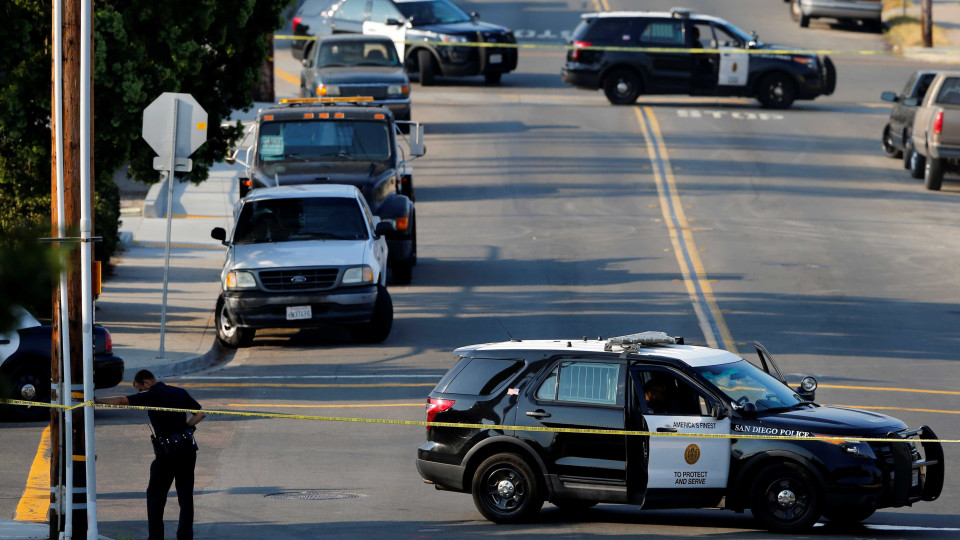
x: 379, y: 326
x: 230, y: 335
x: 427, y: 67
x: 492, y: 77
x: 848, y: 515
x: 505, y: 489
x: 933, y: 174
x: 887, y: 145
x: 784, y: 499
x: 622, y: 86
x: 918, y: 164
x: 29, y: 383
x: 776, y: 91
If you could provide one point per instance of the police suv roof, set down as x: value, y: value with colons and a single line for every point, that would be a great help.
x: 345, y: 191
x: 651, y: 14
x: 687, y: 354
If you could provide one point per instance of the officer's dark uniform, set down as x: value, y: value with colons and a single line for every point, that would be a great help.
x: 175, y: 464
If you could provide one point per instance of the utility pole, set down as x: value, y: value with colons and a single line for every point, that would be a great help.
x: 68, y: 514
x: 926, y: 22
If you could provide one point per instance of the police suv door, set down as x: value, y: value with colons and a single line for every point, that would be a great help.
x: 382, y: 11
x: 672, y: 404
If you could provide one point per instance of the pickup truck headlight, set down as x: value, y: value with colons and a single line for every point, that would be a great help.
x: 357, y: 275
x: 398, y: 90
x: 241, y: 280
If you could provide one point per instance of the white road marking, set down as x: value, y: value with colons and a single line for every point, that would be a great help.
x: 901, y: 528
x: 736, y: 115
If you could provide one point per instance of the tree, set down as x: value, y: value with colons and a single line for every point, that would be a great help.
x: 211, y: 49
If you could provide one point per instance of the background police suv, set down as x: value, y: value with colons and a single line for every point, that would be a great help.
x: 605, y: 55
x: 651, y: 382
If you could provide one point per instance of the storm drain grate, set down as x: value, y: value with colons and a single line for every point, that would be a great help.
x: 312, y: 496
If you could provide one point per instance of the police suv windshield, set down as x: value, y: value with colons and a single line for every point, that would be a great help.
x: 743, y: 382
x: 432, y: 12
x: 323, y: 140
x: 292, y: 220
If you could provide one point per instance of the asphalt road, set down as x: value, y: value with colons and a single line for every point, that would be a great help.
x: 540, y: 214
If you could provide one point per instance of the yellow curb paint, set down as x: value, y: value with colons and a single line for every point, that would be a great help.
x: 302, y: 385
x: 35, y: 501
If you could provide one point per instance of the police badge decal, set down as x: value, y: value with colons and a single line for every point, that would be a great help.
x: 692, y: 454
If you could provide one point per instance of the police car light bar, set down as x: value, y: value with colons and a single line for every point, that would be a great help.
x: 632, y: 341
x: 296, y: 101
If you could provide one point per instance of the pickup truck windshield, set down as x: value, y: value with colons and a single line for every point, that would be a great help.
x: 743, y: 382
x: 292, y: 220
x: 324, y: 140
x: 432, y: 12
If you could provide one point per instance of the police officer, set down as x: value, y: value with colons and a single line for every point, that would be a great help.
x: 174, y: 446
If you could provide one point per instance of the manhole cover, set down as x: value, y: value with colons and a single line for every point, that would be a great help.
x: 312, y: 496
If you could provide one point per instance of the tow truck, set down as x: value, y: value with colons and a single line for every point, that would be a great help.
x: 340, y: 141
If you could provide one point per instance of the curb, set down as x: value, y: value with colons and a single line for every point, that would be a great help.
x: 216, y: 356
x: 155, y: 204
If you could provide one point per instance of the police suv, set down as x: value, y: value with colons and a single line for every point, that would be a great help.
x: 695, y: 402
x: 629, y: 53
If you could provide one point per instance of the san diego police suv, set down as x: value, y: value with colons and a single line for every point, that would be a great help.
x: 694, y: 401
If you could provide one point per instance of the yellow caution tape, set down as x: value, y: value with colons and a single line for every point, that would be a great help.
x: 475, y: 426
x: 675, y: 50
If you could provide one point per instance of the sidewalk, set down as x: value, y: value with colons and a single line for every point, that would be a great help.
x: 946, y: 15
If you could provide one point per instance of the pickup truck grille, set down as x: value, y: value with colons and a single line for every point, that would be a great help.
x: 299, y: 279
x: 376, y: 91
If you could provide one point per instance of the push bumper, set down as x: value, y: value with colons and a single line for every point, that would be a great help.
x: 257, y: 309
x: 467, y: 61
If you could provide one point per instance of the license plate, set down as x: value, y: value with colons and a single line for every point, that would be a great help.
x: 915, y: 480
x: 496, y: 58
x: 296, y: 313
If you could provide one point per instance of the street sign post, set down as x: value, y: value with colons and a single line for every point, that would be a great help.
x: 174, y: 125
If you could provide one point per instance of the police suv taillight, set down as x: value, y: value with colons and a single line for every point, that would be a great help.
x: 435, y: 405
x: 578, y: 47
x: 108, y: 342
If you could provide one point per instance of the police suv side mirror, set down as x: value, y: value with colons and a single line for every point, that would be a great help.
x: 384, y: 227
x: 474, y: 15
x: 219, y: 233
x: 889, y: 96
x: 718, y: 411
x: 747, y: 410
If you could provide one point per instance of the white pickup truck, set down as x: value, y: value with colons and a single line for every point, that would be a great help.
x: 936, y: 128
x: 304, y: 256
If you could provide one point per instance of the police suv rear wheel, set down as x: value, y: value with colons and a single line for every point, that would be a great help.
x: 229, y: 334
x: 776, y: 91
x: 784, y: 499
x: 30, y: 384
x: 505, y: 489
x: 622, y: 86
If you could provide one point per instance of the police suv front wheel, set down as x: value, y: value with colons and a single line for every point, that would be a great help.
x: 776, y: 91
x: 505, y: 489
x: 622, y: 86
x: 784, y: 499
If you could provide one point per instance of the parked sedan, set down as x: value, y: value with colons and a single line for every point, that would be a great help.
x: 25, y: 366
x: 866, y: 11
x: 357, y: 65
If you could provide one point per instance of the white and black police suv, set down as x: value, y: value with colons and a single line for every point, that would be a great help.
x: 629, y: 53
x: 699, y: 398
